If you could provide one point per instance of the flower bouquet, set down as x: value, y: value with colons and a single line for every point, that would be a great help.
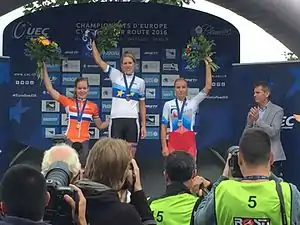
x: 43, y: 50
x: 107, y: 36
x: 198, y: 49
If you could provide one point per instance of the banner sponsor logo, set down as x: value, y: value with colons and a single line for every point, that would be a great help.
x: 151, y: 79
x: 106, y: 106
x: 152, y: 120
x: 152, y: 133
x: 26, y: 29
x: 68, y: 79
x: 71, y: 66
x: 170, y: 53
x: 167, y: 93
x: 50, y: 119
x: 50, y: 106
x: 112, y: 54
x: 169, y: 79
x: 150, y: 66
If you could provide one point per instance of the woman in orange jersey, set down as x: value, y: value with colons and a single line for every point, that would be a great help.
x: 80, y: 113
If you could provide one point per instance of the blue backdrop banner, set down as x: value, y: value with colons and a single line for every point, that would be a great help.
x: 4, y: 109
x: 284, y: 80
x: 155, y: 33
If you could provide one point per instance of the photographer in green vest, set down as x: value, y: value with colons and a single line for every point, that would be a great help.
x: 183, y: 192
x: 256, y: 196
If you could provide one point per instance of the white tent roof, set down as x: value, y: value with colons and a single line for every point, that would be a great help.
x: 280, y: 18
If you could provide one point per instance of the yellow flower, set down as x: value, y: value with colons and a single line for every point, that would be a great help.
x: 54, y: 44
x: 45, y: 42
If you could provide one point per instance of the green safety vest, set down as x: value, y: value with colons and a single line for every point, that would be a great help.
x: 240, y: 203
x: 173, y: 210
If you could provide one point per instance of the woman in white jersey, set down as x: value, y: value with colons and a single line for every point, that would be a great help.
x: 128, y: 100
x: 182, y: 111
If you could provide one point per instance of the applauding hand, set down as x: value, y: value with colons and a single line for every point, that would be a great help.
x: 253, y: 114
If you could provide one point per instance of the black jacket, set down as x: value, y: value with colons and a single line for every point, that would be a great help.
x: 104, y: 206
x: 11, y: 220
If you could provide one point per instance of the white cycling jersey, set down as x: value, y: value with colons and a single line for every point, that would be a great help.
x: 121, y: 108
x: 170, y: 112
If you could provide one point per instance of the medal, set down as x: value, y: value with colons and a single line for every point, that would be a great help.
x: 79, y: 114
x: 179, y: 123
x: 128, y: 88
x: 180, y: 112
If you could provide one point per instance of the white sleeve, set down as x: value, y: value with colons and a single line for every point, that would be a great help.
x: 142, y: 91
x: 113, y: 73
x: 165, y: 117
x: 199, y: 97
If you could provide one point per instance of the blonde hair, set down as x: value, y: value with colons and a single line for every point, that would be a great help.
x: 180, y: 79
x: 128, y: 55
x: 108, y: 162
x: 62, y: 152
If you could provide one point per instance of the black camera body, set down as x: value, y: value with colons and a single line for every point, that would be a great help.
x: 58, y: 211
x: 127, y: 185
x: 234, y: 163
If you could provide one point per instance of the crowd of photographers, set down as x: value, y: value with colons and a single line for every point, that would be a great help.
x: 109, y: 189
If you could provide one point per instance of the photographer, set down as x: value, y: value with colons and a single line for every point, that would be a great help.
x: 257, y: 197
x: 183, y: 190
x: 67, y: 154
x: 24, y: 197
x: 108, y: 165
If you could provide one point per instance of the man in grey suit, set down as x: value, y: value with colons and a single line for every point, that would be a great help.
x: 268, y: 117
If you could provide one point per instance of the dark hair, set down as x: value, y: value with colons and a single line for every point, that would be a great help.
x: 264, y: 85
x: 79, y: 79
x: 129, y: 55
x: 23, y: 191
x: 179, y: 166
x: 255, y: 146
x: 180, y: 79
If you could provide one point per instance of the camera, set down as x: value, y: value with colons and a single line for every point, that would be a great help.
x: 233, y: 162
x: 128, y: 185
x: 58, y: 211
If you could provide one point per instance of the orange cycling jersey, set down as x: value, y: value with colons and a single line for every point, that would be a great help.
x: 90, y: 113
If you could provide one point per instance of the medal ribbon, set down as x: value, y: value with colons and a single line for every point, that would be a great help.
x: 80, y: 114
x: 180, y: 111
x: 130, y: 85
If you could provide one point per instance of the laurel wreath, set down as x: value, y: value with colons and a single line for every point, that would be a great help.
x: 108, y: 36
x: 198, y: 49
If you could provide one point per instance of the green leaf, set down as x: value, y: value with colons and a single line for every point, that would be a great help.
x: 108, y: 36
x: 35, y: 50
x: 42, y: 4
x: 200, y: 48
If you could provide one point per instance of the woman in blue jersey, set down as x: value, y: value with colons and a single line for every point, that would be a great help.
x: 181, y: 111
x: 128, y: 100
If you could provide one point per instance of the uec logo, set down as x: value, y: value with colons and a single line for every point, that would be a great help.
x: 26, y: 29
x: 288, y: 122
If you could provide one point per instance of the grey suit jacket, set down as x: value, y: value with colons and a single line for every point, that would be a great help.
x: 271, y: 124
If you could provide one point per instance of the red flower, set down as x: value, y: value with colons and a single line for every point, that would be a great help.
x: 187, y: 51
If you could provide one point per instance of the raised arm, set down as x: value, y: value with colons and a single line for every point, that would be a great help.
x: 97, y: 57
x: 208, y: 76
x: 208, y: 84
x: 48, y: 84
